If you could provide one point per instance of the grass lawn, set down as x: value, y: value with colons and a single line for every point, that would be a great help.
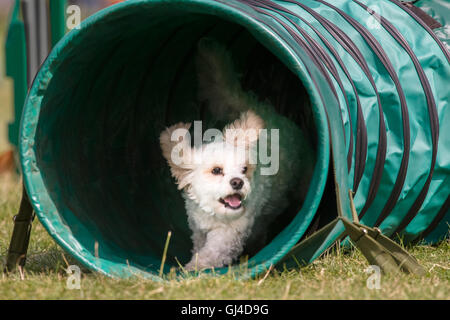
x: 336, y: 275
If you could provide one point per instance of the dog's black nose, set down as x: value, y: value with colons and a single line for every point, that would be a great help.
x: 237, y: 183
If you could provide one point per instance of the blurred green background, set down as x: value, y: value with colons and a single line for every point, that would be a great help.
x: 6, y: 100
x: 6, y: 103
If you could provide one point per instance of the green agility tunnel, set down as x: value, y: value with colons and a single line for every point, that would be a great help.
x: 371, y: 74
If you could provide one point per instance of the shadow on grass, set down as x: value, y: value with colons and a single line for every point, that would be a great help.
x: 52, y: 261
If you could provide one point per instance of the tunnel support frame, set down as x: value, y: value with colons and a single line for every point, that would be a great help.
x: 20, y: 239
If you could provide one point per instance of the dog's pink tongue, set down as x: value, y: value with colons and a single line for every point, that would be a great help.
x: 233, y: 200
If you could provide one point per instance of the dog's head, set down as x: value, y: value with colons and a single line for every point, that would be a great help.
x: 216, y: 175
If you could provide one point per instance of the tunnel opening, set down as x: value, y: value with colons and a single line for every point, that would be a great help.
x: 108, y: 99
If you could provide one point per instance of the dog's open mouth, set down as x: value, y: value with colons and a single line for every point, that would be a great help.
x: 233, y: 201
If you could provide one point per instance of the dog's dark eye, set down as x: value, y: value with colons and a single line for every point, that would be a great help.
x: 216, y: 171
x: 244, y: 170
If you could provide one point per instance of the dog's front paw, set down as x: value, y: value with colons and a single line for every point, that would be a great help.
x: 199, y: 263
x: 194, y: 265
x: 191, y: 266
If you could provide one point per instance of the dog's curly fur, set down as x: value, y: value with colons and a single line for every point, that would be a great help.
x: 220, y: 232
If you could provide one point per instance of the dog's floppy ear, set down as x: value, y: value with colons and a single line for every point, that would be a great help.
x: 244, y: 130
x: 176, y: 148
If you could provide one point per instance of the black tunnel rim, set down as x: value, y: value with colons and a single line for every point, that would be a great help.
x: 35, y: 185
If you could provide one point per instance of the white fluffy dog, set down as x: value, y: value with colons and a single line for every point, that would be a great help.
x: 230, y: 200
